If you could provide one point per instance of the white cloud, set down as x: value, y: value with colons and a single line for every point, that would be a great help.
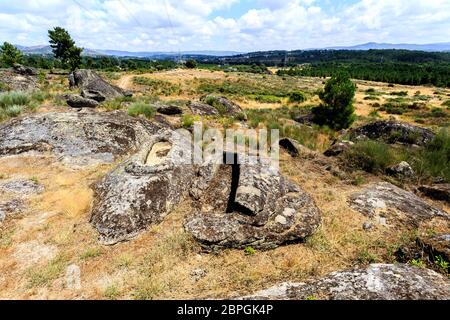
x: 197, y: 24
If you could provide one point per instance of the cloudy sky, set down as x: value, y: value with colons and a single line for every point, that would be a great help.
x: 239, y: 25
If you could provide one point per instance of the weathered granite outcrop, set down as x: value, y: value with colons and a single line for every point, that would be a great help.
x: 393, y: 132
x: 250, y: 205
x: 19, y: 78
x: 90, y: 82
x: 377, y: 282
x: 437, y: 191
x: 77, y: 101
x: 202, y: 109
x: 390, y: 205
x: 77, y: 138
x: 144, y: 189
x: 223, y: 104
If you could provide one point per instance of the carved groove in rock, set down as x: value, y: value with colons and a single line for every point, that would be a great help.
x: 243, y: 205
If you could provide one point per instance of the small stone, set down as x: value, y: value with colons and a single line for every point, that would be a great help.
x: 367, y: 226
x: 73, y: 277
x: 338, y: 148
x: 198, y: 274
x: 401, y: 170
x: 77, y: 101
x: 169, y: 110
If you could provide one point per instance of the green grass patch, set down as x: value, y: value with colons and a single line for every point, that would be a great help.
x: 158, y: 87
x: 141, y: 108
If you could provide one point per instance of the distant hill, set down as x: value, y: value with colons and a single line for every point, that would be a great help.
x: 45, y: 50
x: 433, y: 47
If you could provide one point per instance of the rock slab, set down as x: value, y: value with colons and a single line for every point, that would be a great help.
x: 377, y: 282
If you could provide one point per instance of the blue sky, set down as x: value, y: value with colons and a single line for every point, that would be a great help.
x: 239, y: 25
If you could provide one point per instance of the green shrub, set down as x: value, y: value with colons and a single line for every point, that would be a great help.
x: 267, y: 99
x: 446, y: 103
x: 370, y: 156
x: 40, y: 96
x: 158, y: 87
x: 9, y: 99
x: 140, y: 108
x: 249, y: 251
x: 213, y: 101
x: 297, y: 97
x: 337, y: 110
x: 13, y: 111
x: 400, y: 93
x: 191, y: 64
x: 188, y: 121
x: 434, y: 159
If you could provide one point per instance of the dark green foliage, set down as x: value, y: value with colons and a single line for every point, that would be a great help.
x: 434, y: 160
x: 394, y: 66
x: 253, y: 68
x: 141, y: 108
x: 337, y: 110
x: 370, y: 156
x: 9, y: 55
x: 64, y: 48
x: 191, y: 64
x: 266, y: 99
x: 297, y: 96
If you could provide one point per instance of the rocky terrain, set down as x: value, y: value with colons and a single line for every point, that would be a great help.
x: 97, y: 202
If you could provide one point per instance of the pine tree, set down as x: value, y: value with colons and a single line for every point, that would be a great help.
x: 64, y: 48
x: 337, y: 110
x: 9, y: 55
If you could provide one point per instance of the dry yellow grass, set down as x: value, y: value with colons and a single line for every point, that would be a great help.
x: 159, y: 263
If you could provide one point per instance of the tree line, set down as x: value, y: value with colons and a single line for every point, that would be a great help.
x: 437, y: 74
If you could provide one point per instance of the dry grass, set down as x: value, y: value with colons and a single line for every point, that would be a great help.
x: 159, y: 263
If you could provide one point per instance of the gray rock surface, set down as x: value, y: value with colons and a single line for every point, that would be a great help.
x: 77, y: 101
x: 243, y: 205
x: 25, y: 71
x: 77, y: 138
x: 291, y: 146
x: 338, y: 148
x: 202, y: 109
x: 91, y: 81
x: 23, y: 187
x: 437, y: 191
x: 18, y: 80
x: 438, y: 245
x: 169, y: 110
x: 228, y: 106
x: 388, y: 204
x: 143, y: 190
x: 401, y: 170
x: 11, y: 207
x: 377, y: 282
x: 93, y: 95
x: 393, y: 132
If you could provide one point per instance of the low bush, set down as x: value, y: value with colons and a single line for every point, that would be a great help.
x: 9, y: 99
x: 434, y: 160
x: 140, y: 108
x: 267, y: 99
x: 297, y: 97
x: 370, y: 156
